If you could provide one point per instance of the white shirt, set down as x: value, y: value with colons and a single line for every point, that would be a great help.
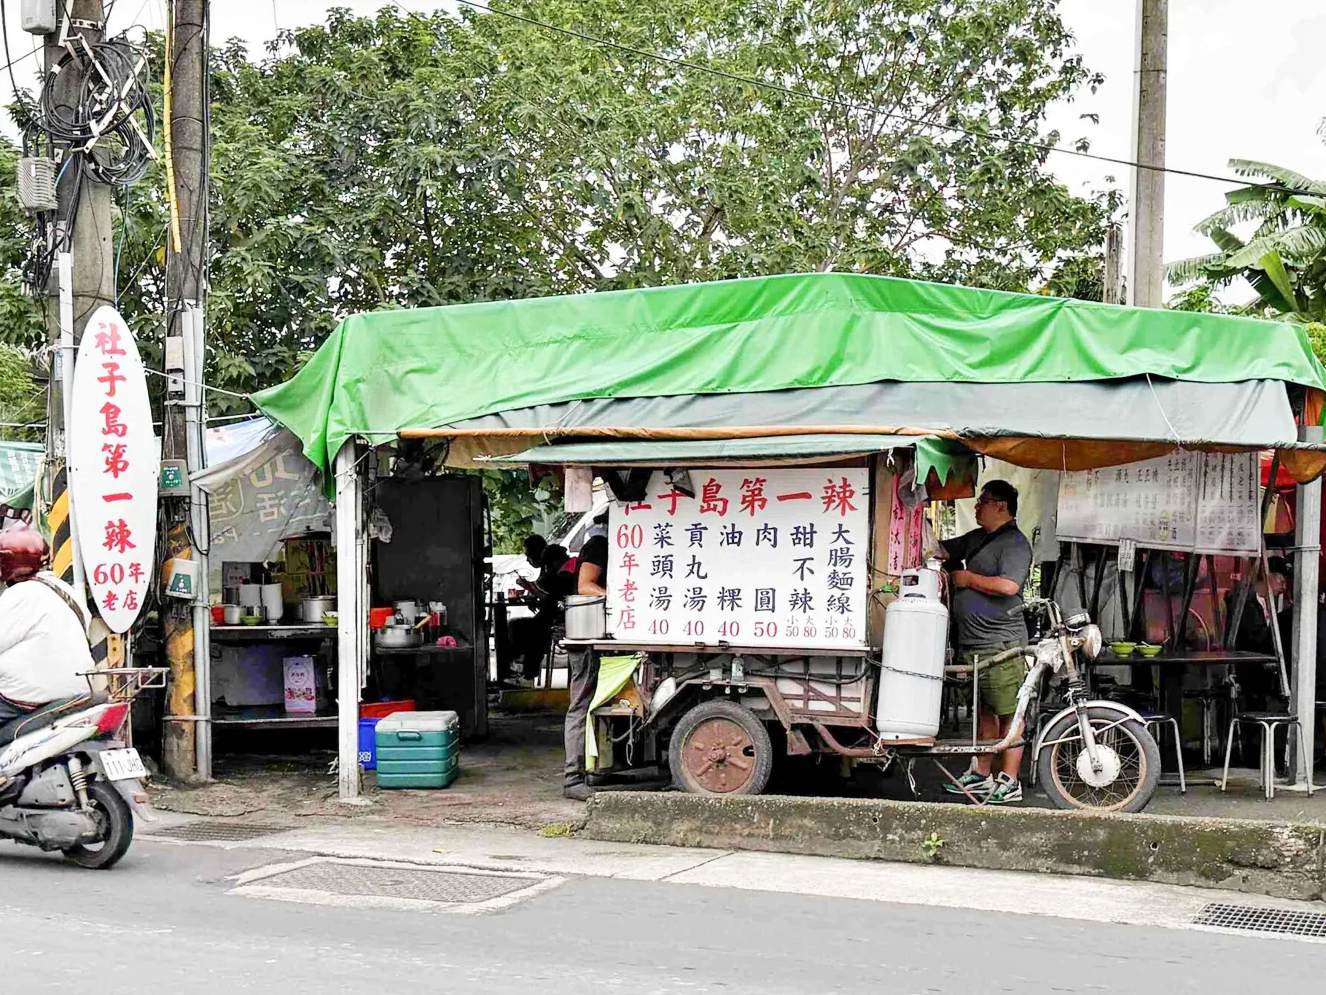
x: 43, y: 648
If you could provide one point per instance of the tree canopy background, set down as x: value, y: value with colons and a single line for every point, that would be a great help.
x: 406, y: 161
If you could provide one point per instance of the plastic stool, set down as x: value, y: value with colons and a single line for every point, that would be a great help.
x: 1158, y: 721
x: 1269, y: 723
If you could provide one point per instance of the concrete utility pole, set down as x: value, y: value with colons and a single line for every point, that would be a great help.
x: 1146, y: 223
x: 85, y: 210
x: 187, y: 745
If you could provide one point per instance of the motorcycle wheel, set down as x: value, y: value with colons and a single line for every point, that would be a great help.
x: 116, y: 823
x: 1137, y: 754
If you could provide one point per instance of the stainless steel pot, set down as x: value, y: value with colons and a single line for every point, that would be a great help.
x: 396, y: 637
x: 311, y: 610
x: 586, y: 616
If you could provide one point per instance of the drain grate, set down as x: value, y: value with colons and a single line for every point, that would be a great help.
x: 1261, y: 920
x: 220, y: 832
x: 377, y: 881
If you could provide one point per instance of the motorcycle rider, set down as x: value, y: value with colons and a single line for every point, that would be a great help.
x: 43, y: 630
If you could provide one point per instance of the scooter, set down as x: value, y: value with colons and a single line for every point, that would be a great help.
x: 67, y: 782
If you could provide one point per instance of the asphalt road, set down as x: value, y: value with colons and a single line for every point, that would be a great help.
x: 163, y: 922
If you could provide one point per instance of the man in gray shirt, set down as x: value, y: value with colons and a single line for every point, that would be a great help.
x: 993, y: 563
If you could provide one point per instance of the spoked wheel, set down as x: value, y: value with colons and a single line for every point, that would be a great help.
x: 1129, y: 760
x: 720, y: 748
x: 115, y: 829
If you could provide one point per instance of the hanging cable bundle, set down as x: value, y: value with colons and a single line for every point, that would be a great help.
x: 110, y: 122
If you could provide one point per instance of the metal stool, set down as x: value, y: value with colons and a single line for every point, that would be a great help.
x: 1158, y: 721
x: 1269, y: 723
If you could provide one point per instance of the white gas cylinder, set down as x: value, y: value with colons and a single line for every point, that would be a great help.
x: 911, y: 680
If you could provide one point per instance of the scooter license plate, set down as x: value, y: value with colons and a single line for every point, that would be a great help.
x: 120, y: 765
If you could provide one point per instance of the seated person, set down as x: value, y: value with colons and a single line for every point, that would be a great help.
x: 43, y: 630
x: 529, y: 636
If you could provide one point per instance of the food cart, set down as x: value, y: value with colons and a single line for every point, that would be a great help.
x: 795, y: 371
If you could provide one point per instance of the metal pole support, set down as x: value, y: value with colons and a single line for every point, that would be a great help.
x: 1307, y: 533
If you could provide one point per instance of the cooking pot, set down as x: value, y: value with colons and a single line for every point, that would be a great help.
x: 586, y: 616
x: 397, y: 637
x: 311, y: 610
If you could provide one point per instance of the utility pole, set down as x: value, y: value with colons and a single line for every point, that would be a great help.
x: 1146, y: 224
x: 187, y: 745
x: 84, y: 260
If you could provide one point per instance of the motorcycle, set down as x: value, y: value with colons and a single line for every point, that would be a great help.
x: 67, y: 782
x: 1094, y: 754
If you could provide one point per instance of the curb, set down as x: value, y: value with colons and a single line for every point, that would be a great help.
x: 1283, y: 860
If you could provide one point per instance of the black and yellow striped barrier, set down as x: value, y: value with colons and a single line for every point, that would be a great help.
x: 59, y: 528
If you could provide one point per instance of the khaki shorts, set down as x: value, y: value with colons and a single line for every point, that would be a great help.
x: 999, y: 684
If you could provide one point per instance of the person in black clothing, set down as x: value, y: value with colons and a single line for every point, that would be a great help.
x: 529, y: 636
x: 592, y: 579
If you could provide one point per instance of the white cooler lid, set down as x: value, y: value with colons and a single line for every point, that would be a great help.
x: 419, y: 722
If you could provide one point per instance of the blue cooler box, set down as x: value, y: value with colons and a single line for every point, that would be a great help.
x: 418, y: 749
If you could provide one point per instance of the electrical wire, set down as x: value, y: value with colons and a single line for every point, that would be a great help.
x: 200, y: 386
x: 113, y: 96
x: 841, y: 104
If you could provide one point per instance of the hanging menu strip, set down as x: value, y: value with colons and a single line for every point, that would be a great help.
x: 1203, y: 502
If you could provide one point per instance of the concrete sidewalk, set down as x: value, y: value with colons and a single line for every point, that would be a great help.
x: 501, y: 848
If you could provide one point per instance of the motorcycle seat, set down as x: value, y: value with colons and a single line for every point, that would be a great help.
x: 41, y: 717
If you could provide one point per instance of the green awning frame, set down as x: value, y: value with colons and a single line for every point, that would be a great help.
x: 945, y: 457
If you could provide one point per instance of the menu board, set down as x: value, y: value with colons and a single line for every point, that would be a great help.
x: 1202, y: 502
x: 767, y: 557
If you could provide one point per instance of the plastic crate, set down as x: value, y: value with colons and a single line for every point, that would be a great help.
x: 368, y: 744
x: 381, y: 709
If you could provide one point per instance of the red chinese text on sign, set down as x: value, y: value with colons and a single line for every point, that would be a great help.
x: 113, y: 469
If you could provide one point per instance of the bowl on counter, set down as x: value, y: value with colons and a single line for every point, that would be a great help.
x: 331, y: 618
x: 250, y: 619
x: 1123, y: 648
x: 1148, y: 650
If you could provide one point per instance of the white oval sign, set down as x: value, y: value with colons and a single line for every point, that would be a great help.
x: 113, y: 469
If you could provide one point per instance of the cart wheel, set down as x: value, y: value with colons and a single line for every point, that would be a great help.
x: 720, y: 748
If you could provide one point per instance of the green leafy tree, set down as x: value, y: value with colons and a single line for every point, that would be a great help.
x: 22, y: 400
x: 1284, y: 258
x: 401, y: 160
x: 20, y: 318
x: 912, y: 153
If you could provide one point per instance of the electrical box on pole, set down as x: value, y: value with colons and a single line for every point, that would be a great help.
x: 37, y: 17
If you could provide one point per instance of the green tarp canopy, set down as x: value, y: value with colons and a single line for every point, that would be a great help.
x: 385, y: 373
x: 19, y: 462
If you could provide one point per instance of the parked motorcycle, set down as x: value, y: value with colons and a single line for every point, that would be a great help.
x: 67, y: 782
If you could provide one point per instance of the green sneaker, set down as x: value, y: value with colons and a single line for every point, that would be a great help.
x: 1006, y: 790
x: 979, y: 785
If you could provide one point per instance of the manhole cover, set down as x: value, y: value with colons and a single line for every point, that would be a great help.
x: 378, y: 881
x: 222, y: 832
x: 1262, y: 920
